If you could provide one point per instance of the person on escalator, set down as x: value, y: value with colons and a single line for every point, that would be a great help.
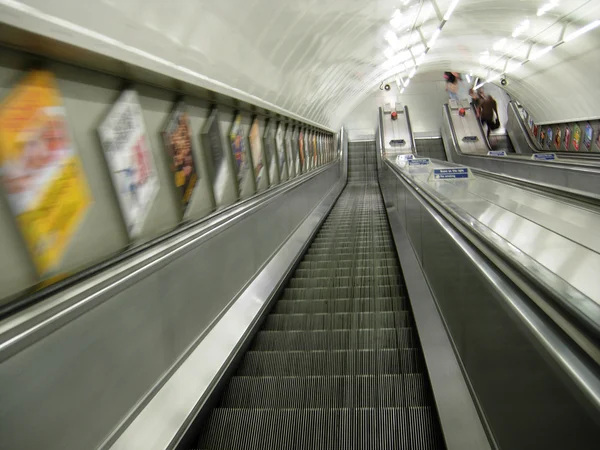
x: 451, y: 85
x: 488, y: 108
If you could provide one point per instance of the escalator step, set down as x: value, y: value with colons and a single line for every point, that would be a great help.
x: 365, y: 391
x: 337, y: 321
x: 335, y: 340
x: 323, y: 429
x: 340, y: 305
x: 336, y: 362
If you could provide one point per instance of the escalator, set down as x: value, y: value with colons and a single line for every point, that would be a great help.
x: 337, y: 363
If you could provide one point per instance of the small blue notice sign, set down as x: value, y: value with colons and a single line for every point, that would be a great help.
x: 544, y: 156
x: 496, y: 153
x: 455, y: 173
x: 419, y: 162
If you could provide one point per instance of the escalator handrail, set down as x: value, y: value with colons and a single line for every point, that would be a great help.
x: 591, y: 325
x: 576, y: 361
x: 413, y: 143
x: 560, y: 164
x: 203, y: 225
x: 381, y: 133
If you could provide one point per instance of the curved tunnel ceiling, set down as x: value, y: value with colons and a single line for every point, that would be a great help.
x: 317, y: 60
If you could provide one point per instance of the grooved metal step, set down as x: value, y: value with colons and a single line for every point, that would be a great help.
x: 337, y: 363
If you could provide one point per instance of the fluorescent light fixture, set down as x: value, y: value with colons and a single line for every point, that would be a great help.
x: 405, y: 2
x: 540, y: 53
x: 403, y: 82
x: 391, y: 38
x: 421, y: 59
x: 547, y: 7
x: 407, y: 83
x: 402, y: 91
x: 434, y: 37
x: 480, y: 85
x: 397, y: 19
x: 389, y: 53
x: 512, y: 67
x: 576, y: 34
x: 412, y: 73
x: 451, y: 9
x: 521, y: 28
x: 484, y: 58
x: 498, y: 46
x: 468, y: 78
x: 417, y: 49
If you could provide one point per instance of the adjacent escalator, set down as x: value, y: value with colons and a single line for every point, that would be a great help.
x: 337, y: 363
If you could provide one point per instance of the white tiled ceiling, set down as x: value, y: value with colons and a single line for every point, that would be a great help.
x: 317, y: 59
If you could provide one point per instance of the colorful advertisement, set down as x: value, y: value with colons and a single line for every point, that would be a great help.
x: 535, y: 131
x: 238, y: 148
x: 567, y: 138
x: 314, y: 149
x: 576, y: 137
x: 41, y: 171
x: 179, y: 145
x: 549, y: 140
x: 280, y: 148
x: 296, y: 150
x: 542, y: 137
x: 257, y: 151
x: 289, y: 151
x: 557, y: 138
x: 588, y: 136
x: 217, y: 167
x: 598, y: 138
x: 271, y: 152
x: 129, y: 159
x: 530, y: 122
x: 301, y: 149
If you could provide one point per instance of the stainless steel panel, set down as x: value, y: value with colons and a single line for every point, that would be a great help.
x: 75, y: 385
x: 521, y: 367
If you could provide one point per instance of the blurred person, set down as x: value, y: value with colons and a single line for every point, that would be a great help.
x: 489, y: 107
x: 452, y: 84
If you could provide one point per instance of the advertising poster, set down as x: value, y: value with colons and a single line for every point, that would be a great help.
x: 280, y: 148
x: 270, y: 150
x: 588, y: 136
x: 535, y: 131
x: 239, y: 151
x: 40, y: 169
x: 129, y: 159
x: 179, y: 145
x: 301, y: 149
x: 542, y: 137
x: 557, y: 138
x: 530, y: 122
x: 307, y: 152
x: 549, y: 139
x: 598, y: 138
x: 296, y: 150
x: 314, y: 149
x: 576, y: 137
x: 567, y: 138
x: 217, y: 164
x: 290, y: 151
x: 257, y: 151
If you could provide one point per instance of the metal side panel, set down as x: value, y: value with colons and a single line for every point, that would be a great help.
x: 68, y: 386
x: 528, y: 379
x: 160, y: 424
x: 459, y: 417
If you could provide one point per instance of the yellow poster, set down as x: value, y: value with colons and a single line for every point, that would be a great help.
x: 41, y: 172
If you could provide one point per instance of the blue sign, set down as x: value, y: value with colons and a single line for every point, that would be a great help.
x: 419, y: 162
x: 496, y: 153
x: 450, y: 174
x: 405, y: 157
x: 544, y: 156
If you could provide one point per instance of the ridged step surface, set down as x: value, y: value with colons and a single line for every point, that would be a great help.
x: 337, y: 363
